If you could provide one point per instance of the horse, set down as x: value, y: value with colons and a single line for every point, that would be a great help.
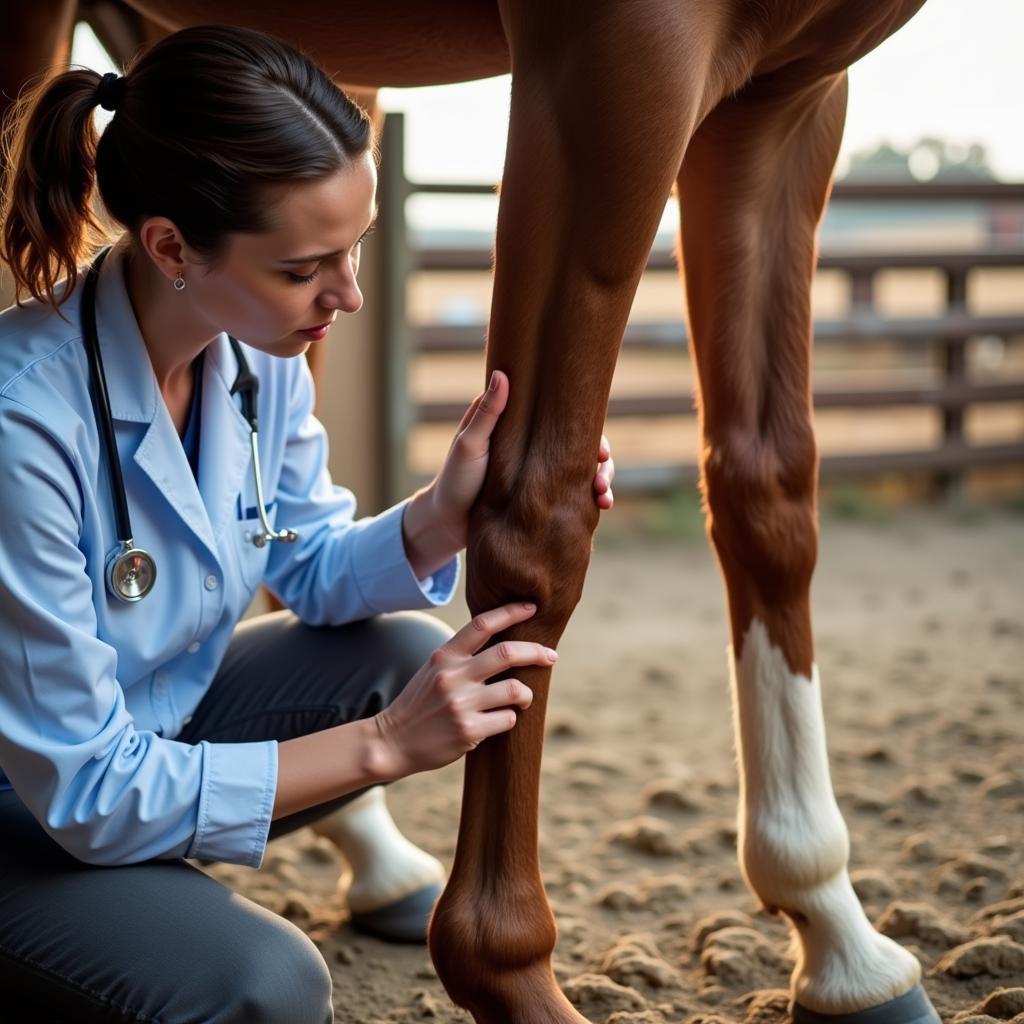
x: 739, y: 106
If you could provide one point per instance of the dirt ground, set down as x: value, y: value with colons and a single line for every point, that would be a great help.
x: 920, y: 641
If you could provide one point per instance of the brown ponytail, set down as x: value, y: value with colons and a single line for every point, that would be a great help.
x: 49, y: 225
x: 207, y: 120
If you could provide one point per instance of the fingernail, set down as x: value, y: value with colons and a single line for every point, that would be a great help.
x: 493, y: 386
x: 553, y: 655
x: 529, y: 606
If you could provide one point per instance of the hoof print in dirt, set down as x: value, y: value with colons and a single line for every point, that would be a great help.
x: 1012, y: 926
x: 925, y: 792
x: 715, y: 922
x: 645, y: 835
x: 618, y: 897
x: 596, y: 996
x: 742, y: 956
x: 769, y: 1006
x: 996, y: 913
x: 923, y: 922
x: 636, y: 961
x: 425, y: 1004
x: 640, y: 1017
x: 671, y: 795
x: 1003, y: 1004
x: 919, y: 848
x: 871, y: 885
x: 1002, y: 784
x: 970, y: 877
x: 296, y: 907
x: 999, y: 957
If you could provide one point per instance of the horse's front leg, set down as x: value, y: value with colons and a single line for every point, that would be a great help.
x: 601, y: 109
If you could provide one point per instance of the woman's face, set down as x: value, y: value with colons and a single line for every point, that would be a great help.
x: 270, y: 289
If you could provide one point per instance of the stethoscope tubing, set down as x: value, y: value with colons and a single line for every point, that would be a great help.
x: 131, y: 572
x: 101, y: 399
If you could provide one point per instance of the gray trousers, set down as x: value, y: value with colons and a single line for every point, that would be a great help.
x: 161, y: 941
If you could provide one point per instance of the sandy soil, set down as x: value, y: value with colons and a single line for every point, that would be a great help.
x: 920, y: 638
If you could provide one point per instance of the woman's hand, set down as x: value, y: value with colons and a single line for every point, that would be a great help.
x: 457, y: 485
x: 605, y: 475
x: 446, y: 709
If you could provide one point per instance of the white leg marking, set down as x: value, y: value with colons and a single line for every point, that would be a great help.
x: 793, y: 842
x: 385, y: 865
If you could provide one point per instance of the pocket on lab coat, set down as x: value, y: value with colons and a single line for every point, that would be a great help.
x: 252, y: 560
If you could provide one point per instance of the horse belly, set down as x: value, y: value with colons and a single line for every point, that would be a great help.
x: 362, y: 42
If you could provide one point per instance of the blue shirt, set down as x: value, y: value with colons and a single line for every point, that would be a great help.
x: 92, y: 689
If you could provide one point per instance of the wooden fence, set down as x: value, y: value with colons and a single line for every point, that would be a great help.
x: 949, y: 332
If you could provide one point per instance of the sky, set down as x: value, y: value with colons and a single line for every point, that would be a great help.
x: 954, y: 71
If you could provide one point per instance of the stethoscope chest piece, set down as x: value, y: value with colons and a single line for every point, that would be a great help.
x: 131, y: 572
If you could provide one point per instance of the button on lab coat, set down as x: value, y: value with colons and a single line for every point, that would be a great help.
x: 92, y: 689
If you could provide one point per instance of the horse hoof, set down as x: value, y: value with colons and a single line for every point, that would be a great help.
x: 913, y: 1007
x: 405, y: 920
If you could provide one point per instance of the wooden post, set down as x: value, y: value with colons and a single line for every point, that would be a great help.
x: 955, y: 366
x: 395, y: 337
x: 862, y: 292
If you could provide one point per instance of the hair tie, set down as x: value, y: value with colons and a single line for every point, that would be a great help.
x: 109, y: 91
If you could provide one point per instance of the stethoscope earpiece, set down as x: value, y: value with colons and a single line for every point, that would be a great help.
x: 130, y: 571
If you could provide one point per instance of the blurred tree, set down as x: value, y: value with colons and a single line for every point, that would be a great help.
x: 928, y: 159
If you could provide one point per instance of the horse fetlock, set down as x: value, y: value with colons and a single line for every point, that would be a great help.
x: 529, y: 995
x: 784, y: 857
x: 493, y: 932
x: 493, y: 955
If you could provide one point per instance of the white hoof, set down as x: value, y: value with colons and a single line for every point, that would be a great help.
x: 385, y: 866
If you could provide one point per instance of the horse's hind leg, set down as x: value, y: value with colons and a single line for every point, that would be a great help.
x: 753, y: 186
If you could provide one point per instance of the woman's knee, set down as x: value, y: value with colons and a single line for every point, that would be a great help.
x: 279, y: 977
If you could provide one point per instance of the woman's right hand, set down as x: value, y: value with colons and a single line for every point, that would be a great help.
x: 446, y: 709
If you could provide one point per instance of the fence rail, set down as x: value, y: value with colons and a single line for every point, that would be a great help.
x: 949, y: 333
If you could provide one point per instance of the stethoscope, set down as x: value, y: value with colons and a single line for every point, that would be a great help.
x: 131, y: 571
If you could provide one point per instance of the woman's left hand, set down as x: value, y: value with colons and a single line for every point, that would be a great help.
x: 458, y: 484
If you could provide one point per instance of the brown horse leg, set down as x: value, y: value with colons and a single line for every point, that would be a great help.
x: 601, y: 111
x: 752, y: 190
x: 36, y: 39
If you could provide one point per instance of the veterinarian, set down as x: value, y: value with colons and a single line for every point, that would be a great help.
x: 159, y: 461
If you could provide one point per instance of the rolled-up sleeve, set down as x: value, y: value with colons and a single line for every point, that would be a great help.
x: 340, y: 569
x: 108, y: 792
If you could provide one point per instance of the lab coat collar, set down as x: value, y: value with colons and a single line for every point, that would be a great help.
x: 134, y: 397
